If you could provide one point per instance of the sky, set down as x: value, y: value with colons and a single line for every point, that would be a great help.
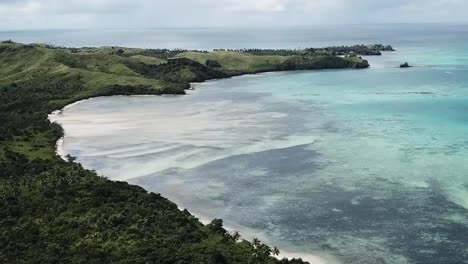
x: 49, y: 14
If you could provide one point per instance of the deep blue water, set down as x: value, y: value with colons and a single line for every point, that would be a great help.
x: 352, y: 166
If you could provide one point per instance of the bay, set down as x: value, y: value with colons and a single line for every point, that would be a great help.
x: 351, y: 166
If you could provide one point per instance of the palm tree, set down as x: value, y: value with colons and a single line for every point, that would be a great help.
x: 236, y: 236
x: 256, y: 245
x: 275, y: 251
x: 256, y: 242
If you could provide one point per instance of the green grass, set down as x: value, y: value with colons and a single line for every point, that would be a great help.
x: 97, y: 68
x: 147, y: 59
x: 35, y: 147
x: 18, y: 58
x: 236, y: 61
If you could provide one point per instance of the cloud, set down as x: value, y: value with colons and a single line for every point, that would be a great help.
x: 258, y: 5
x: 58, y: 7
x: 190, y: 13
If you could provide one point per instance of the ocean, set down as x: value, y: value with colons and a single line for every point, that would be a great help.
x: 337, y: 166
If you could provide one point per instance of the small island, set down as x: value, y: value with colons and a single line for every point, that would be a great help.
x: 405, y: 65
x: 57, y: 211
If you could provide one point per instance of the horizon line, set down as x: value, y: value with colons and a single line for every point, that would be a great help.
x: 236, y: 27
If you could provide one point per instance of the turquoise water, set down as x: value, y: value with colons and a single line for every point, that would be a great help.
x: 352, y: 166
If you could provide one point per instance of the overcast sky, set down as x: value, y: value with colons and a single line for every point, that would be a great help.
x: 34, y: 14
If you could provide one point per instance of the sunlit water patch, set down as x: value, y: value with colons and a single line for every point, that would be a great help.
x: 366, y: 166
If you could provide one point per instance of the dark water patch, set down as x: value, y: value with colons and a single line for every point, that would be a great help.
x: 269, y: 191
x: 242, y: 182
x: 404, y: 221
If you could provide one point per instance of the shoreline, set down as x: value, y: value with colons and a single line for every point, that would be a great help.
x: 245, y: 234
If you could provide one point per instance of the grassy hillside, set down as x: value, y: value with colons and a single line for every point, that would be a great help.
x: 52, y: 211
x: 237, y: 62
x: 241, y: 62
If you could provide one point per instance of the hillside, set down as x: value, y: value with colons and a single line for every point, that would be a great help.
x: 54, y: 211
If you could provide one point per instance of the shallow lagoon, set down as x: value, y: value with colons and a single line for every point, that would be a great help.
x: 367, y: 166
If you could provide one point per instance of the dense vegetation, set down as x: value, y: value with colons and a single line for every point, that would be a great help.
x: 176, y: 70
x: 367, y: 50
x: 52, y: 211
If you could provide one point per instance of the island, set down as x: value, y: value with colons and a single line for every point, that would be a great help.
x: 55, y: 211
x: 405, y: 65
